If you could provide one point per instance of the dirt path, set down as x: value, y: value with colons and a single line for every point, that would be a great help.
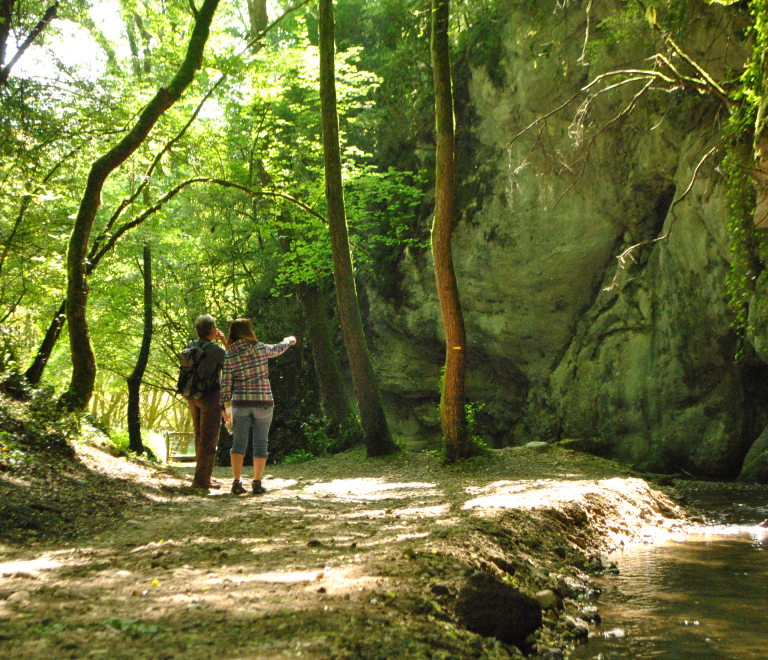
x: 342, y: 558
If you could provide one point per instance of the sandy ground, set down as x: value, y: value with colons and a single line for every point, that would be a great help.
x: 342, y: 558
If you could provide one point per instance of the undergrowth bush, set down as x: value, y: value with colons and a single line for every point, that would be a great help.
x: 318, y: 438
x: 32, y: 427
x: 119, y: 443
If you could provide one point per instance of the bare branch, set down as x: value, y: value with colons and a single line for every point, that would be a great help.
x: 583, y: 57
x: 629, y: 252
x: 709, y: 83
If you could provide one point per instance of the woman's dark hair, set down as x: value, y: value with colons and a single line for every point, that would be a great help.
x: 241, y: 329
x: 204, y: 324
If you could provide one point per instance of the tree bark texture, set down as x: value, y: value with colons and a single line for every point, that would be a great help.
x: 335, y: 402
x: 83, y: 361
x: 375, y: 428
x: 257, y: 13
x: 452, y: 411
x: 134, y: 380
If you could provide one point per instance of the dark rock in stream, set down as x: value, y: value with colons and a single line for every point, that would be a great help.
x: 491, y: 608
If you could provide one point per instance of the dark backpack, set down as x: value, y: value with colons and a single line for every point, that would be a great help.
x: 191, y: 383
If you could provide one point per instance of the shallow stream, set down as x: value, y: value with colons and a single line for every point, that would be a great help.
x: 701, y: 597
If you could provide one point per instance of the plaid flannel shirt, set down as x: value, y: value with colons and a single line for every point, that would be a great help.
x: 245, y: 376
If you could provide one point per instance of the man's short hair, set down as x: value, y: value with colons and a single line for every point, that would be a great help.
x: 204, y: 324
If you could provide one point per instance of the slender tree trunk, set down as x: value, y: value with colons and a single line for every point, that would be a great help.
x: 452, y: 412
x: 335, y: 402
x: 134, y: 380
x: 83, y: 360
x: 6, y: 6
x: 375, y: 429
x: 35, y: 371
x: 6, y: 16
x: 760, y: 145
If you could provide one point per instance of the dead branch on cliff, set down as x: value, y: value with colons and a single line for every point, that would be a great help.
x: 628, y: 254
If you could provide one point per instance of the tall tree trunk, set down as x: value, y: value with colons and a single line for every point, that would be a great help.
x: 134, y: 380
x: 375, y: 429
x: 257, y: 14
x: 452, y: 411
x: 83, y: 360
x: 335, y: 402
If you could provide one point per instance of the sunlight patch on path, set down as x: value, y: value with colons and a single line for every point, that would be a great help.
x: 547, y: 492
x: 371, y: 489
x: 30, y: 567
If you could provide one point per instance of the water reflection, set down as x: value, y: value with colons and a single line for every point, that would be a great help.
x: 704, y: 598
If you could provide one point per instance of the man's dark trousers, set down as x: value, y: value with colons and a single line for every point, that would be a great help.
x: 206, y: 418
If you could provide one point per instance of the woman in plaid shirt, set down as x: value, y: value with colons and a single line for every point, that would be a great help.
x: 245, y: 383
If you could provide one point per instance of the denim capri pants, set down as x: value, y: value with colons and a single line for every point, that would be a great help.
x: 242, y: 419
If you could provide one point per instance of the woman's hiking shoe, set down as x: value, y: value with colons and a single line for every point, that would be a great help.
x: 258, y: 489
x: 237, y: 487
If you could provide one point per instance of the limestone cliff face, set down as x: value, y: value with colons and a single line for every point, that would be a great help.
x: 644, y: 371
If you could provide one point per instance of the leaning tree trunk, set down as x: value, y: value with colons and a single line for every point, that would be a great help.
x: 35, y: 371
x: 134, y: 380
x: 83, y: 361
x: 375, y: 429
x: 452, y: 411
x: 335, y: 402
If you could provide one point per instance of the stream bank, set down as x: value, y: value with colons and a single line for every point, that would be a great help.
x: 343, y: 558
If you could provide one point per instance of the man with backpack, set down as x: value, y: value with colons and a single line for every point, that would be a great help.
x: 199, y: 382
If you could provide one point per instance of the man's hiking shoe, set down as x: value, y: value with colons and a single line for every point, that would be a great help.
x: 237, y: 488
x: 258, y: 489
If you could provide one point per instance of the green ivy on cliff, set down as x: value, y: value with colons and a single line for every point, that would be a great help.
x: 747, y: 244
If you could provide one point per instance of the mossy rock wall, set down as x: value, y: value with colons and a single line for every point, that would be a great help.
x: 646, y: 370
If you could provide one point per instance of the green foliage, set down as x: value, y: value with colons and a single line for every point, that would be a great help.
x: 472, y: 409
x: 754, y: 87
x: 119, y: 443
x: 321, y: 440
x: 747, y: 245
x: 298, y: 456
x: 478, y: 446
x: 744, y: 241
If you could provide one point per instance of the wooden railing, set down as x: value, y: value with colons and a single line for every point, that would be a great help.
x: 179, y: 446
